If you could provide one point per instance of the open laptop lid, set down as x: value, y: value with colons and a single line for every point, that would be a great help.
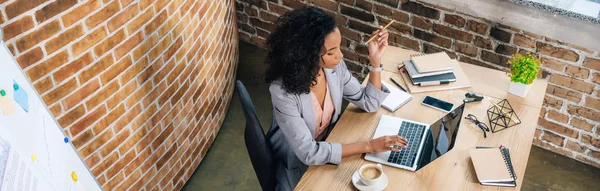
x: 441, y: 136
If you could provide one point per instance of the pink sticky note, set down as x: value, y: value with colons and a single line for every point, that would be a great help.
x: 6, y: 104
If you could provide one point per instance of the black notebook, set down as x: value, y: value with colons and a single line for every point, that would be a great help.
x: 493, y: 166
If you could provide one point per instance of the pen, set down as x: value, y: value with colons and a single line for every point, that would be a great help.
x: 373, y: 37
x: 433, y: 83
x: 397, y: 84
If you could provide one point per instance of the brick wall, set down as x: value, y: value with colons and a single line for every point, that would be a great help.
x: 141, y: 87
x: 569, y: 121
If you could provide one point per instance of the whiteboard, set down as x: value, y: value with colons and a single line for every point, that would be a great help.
x: 28, y: 128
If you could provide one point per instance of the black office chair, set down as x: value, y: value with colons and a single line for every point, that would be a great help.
x: 258, y: 147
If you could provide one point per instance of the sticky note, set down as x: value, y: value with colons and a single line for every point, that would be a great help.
x: 33, y: 157
x: 20, y: 96
x: 66, y: 140
x: 6, y: 104
x: 74, y: 176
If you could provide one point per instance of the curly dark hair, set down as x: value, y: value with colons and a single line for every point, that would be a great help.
x: 295, y: 48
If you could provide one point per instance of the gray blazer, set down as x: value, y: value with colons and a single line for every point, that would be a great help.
x: 293, y: 127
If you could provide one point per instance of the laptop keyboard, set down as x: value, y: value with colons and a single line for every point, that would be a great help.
x: 413, y: 133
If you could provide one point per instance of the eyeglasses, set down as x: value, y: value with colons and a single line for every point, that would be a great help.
x: 479, y: 124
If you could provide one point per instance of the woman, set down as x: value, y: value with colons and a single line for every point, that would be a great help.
x: 308, y: 79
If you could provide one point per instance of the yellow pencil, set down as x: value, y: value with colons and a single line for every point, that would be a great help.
x: 373, y: 37
x: 499, y: 108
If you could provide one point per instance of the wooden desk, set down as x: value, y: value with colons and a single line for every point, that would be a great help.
x: 452, y: 171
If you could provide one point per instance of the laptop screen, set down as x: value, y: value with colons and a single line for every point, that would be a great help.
x: 441, y: 136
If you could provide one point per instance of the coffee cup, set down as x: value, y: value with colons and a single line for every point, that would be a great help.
x: 370, y: 173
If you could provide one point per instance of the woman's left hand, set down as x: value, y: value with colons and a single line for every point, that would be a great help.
x: 377, y: 46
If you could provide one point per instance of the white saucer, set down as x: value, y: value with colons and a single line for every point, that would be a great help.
x: 375, y: 187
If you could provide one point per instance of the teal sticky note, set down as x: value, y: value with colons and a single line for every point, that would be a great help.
x: 21, y: 97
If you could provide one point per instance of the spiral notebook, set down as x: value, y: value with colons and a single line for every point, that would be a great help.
x: 396, y: 99
x: 431, y: 62
x: 493, y: 166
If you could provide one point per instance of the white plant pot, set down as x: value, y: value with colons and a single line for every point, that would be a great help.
x: 518, y: 89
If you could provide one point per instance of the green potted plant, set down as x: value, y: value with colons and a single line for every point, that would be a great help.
x: 523, y: 70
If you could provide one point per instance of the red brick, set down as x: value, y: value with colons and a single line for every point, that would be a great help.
x: 106, y: 162
x: 81, y: 11
x: 81, y: 139
x: 99, y: 140
x: 159, y: 48
x: 568, y: 132
x: 466, y: 49
x: 81, y: 94
x: 421, y: 23
x: 552, y: 102
x: 455, y: 20
x: 115, y: 70
x: 71, y: 116
x: 21, y: 6
x: 592, y: 63
x: 12, y: 49
x: 128, y: 117
x: 477, y: 27
x: 96, y: 69
x: 553, y: 64
x: 574, y: 71
x: 56, y: 110
x: 584, y: 112
x: 574, y: 146
x: 43, y: 85
x: 63, y: 39
x: 557, y: 52
x: 60, y: 91
x: 571, y: 83
x: 110, y: 185
x: 130, y: 180
x: 17, y: 27
x: 452, y: 33
x: 553, y: 138
x: 101, y: 16
x: 40, y: 70
x: 138, y: 94
x: 121, y: 95
x: 128, y: 45
x: 156, y: 22
x: 31, y: 57
x: 557, y: 116
x: 88, y: 120
x: 169, y: 25
x: 72, y: 68
x: 596, y: 78
x: 124, y: 3
x: 142, y: 19
x: 92, y: 160
x: 101, y: 95
x: 109, y: 119
x: 116, y: 141
x: 53, y: 9
x: 593, y: 103
x: 581, y: 124
x: 146, y: 45
x: 37, y: 36
x: 110, y: 42
x: 88, y: 41
x: 122, y: 17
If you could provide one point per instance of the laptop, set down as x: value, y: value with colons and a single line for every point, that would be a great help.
x: 425, y: 142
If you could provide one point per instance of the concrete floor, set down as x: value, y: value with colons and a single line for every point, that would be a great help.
x: 228, y: 167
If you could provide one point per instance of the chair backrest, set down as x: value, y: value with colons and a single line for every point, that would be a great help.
x: 258, y: 147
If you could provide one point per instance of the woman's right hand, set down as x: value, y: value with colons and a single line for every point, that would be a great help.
x: 386, y: 143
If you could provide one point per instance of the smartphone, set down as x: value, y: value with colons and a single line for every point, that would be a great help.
x: 437, y: 104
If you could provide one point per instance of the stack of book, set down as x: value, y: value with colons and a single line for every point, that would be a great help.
x: 431, y: 69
